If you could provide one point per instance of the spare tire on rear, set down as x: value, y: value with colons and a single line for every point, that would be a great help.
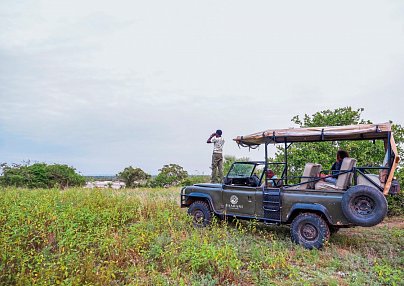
x: 364, y: 205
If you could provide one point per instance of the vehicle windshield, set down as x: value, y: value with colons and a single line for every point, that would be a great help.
x: 241, y: 170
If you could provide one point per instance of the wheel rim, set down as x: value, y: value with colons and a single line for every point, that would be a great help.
x: 199, y: 217
x: 363, y: 206
x: 309, y: 232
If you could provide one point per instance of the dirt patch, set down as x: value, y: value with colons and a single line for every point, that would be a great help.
x: 396, y: 222
x: 389, y: 223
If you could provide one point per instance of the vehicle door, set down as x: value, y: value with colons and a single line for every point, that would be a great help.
x: 239, y: 195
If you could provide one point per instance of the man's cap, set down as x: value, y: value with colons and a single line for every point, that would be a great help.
x: 219, y: 132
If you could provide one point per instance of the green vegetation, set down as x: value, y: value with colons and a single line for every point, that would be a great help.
x: 142, y: 237
x: 190, y: 180
x: 133, y: 177
x: 169, y: 176
x: 40, y: 175
x: 396, y: 204
x: 367, y: 153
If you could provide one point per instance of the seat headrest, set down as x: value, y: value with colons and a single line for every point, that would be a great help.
x: 344, y: 180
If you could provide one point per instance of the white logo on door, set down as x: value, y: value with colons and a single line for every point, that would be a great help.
x: 234, y: 199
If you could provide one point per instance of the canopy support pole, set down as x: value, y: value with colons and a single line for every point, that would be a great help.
x: 266, y: 163
x: 286, y: 162
x: 389, y: 150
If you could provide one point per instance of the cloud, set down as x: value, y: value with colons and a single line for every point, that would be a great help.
x: 101, y: 85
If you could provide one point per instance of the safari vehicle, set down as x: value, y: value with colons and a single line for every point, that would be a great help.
x: 312, y: 207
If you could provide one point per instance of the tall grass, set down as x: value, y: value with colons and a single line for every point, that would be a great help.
x: 142, y: 237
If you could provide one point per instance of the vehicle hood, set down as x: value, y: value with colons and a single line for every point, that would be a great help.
x: 209, y: 185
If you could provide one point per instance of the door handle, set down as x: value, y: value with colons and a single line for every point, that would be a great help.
x: 249, y: 199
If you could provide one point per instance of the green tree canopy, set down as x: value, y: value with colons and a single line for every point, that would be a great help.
x: 133, y: 177
x: 170, y: 175
x: 40, y: 175
x: 367, y: 153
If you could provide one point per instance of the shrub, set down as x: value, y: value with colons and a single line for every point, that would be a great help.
x: 133, y: 177
x: 396, y: 204
x: 170, y: 175
x: 190, y: 180
x: 40, y: 175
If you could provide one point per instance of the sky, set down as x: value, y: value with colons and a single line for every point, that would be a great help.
x: 101, y: 85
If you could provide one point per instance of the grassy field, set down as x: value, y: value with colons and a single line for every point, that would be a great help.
x: 142, y: 237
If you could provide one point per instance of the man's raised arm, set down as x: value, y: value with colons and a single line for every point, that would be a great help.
x: 211, y: 136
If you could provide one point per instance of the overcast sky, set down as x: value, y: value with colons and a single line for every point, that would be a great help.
x: 101, y: 85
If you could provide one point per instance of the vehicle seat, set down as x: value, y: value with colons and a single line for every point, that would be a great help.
x: 343, y: 181
x: 380, y: 179
x: 375, y: 178
x: 311, y: 170
x: 254, y: 181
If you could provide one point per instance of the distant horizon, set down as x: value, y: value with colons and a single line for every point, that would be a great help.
x: 208, y: 175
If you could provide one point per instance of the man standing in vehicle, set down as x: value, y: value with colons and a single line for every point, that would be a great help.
x: 217, y: 156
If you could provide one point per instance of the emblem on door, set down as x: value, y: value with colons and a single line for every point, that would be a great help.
x: 234, y: 199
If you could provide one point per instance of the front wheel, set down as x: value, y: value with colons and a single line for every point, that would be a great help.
x: 201, y: 213
x: 309, y: 230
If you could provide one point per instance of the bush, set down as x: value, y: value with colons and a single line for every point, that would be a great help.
x: 396, y: 204
x: 191, y: 180
x: 133, y: 177
x: 170, y: 175
x: 40, y: 175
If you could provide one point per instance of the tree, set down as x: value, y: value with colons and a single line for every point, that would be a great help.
x: 170, y: 175
x: 64, y: 176
x: 367, y: 153
x: 133, y: 177
x: 40, y: 175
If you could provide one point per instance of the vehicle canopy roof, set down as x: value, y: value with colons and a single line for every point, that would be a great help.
x: 314, y: 134
x: 330, y: 133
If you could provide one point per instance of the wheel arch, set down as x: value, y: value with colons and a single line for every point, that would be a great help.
x: 193, y: 197
x: 299, y: 208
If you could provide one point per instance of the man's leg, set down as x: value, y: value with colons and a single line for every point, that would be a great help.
x: 331, y: 180
x: 214, y: 169
x: 220, y: 167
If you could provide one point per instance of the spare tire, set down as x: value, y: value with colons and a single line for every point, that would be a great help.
x: 364, y: 205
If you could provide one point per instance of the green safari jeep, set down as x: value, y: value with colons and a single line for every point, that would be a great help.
x: 313, y: 207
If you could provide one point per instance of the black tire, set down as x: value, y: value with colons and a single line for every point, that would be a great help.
x: 309, y: 230
x: 364, y: 205
x: 201, y: 213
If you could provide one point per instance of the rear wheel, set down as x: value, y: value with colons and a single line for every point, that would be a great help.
x: 201, y: 213
x: 309, y: 230
x: 364, y: 205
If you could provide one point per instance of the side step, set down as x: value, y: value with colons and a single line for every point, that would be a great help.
x: 272, y: 205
